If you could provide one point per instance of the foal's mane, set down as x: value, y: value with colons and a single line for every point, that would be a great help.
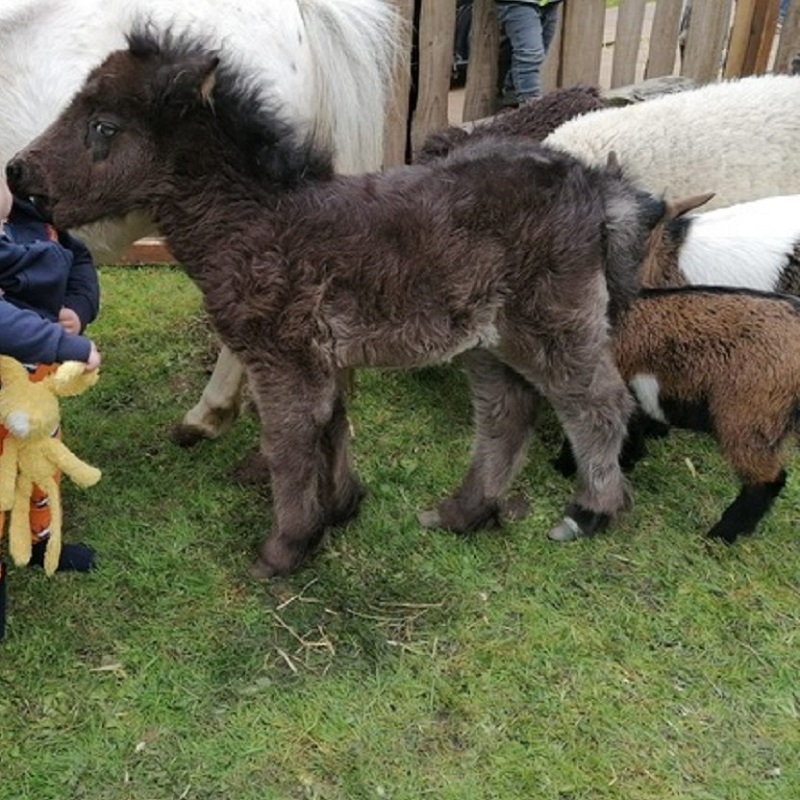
x: 275, y: 149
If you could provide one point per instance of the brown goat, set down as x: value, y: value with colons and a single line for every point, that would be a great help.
x: 505, y: 253
x: 722, y: 361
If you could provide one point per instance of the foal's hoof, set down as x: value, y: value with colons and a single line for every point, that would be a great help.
x: 566, y: 531
x: 262, y: 571
x: 429, y: 519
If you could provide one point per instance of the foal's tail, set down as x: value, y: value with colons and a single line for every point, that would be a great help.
x: 356, y: 47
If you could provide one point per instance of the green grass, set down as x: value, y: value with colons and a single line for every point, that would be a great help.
x: 405, y: 664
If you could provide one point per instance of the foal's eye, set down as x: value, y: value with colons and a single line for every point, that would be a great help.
x: 104, y: 129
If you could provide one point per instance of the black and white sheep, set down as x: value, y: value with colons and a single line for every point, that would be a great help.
x: 753, y: 245
x: 722, y: 361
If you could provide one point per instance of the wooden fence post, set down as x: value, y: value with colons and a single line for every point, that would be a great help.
x: 627, y: 41
x: 480, y: 92
x: 664, y: 39
x: 395, y: 128
x: 437, y: 31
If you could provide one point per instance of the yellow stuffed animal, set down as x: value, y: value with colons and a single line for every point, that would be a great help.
x: 31, y: 455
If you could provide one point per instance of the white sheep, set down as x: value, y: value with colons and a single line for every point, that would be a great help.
x: 737, y: 138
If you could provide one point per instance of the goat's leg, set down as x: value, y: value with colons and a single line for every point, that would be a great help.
x: 742, y: 516
x: 219, y: 404
x: 757, y: 459
x: 504, y: 406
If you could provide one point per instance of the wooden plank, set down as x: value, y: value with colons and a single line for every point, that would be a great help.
x: 765, y: 20
x: 395, y: 127
x: 664, y: 39
x: 789, y: 41
x: 739, y: 41
x: 627, y: 42
x: 581, y: 54
x: 480, y: 92
x: 437, y: 30
x: 551, y: 69
x: 150, y: 250
x: 706, y: 39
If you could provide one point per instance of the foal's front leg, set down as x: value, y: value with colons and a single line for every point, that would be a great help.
x: 504, y: 406
x: 296, y: 447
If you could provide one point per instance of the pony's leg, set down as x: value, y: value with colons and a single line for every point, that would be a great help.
x: 505, y: 406
x: 634, y: 448
x: 219, y: 404
x: 593, y: 404
x: 293, y: 447
x: 345, y: 491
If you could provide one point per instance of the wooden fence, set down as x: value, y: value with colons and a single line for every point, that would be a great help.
x: 725, y: 39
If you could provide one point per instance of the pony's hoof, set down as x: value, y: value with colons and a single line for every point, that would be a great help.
x: 188, y: 435
x: 566, y: 531
x: 429, y: 519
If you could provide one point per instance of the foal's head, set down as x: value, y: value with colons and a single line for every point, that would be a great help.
x: 154, y: 121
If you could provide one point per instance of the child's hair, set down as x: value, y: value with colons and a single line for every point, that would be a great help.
x: 6, y: 200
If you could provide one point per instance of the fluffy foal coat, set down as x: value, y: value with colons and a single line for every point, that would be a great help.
x: 506, y: 253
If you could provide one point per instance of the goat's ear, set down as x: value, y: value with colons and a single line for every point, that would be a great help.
x: 677, y: 208
x: 189, y: 82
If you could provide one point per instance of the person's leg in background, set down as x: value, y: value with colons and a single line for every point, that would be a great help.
x: 530, y: 30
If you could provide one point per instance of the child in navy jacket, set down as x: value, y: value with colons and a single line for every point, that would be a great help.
x: 49, y: 293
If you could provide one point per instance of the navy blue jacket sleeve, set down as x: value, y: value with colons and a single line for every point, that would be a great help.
x: 30, y: 338
x: 83, y: 287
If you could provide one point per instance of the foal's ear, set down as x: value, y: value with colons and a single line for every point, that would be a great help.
x: 189, y: 82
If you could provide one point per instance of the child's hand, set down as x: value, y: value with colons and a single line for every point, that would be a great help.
x: 93, y: 362
x: 69, y: 321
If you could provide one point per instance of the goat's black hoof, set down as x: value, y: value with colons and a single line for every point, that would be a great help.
x: 726, y: 537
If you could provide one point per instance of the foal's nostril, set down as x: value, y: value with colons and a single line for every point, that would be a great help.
x: 14, y: 172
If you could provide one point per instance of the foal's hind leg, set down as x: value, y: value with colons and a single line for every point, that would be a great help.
x: 504, y: 406
x: 218, y: 406
x: 575, y: 371
x: 593, y: 407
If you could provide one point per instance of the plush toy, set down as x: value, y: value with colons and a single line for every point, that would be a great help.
x: 32, y: 455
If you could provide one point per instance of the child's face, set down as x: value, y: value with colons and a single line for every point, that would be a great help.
x: 6, y: 199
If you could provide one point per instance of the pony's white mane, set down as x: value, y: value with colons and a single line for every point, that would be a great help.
x: 326, y: 62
